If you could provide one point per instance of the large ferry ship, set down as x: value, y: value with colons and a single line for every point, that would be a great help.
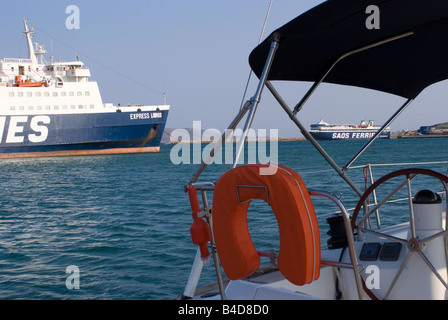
x: 54, y: 110
x: 365, y: 130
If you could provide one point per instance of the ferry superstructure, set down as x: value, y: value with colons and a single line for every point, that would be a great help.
x: 55, y: 110
x: 365, y: 130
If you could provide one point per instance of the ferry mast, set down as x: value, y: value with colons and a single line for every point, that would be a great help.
x: 28, y: 34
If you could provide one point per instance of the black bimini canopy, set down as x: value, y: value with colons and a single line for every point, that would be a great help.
x: 405, y: 55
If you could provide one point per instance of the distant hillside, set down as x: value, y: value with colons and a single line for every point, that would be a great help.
x: 436, y: 129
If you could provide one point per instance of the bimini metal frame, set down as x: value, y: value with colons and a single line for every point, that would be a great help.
x: 251, y: 106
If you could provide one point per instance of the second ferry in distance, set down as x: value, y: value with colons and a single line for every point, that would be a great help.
x: 365, y: 130
x: 55, y: 110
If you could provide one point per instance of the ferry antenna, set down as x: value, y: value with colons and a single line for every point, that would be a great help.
x: 163, y: 94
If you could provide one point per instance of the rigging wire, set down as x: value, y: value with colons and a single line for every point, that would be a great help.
x: 259, y: 41
x: 163, y: 94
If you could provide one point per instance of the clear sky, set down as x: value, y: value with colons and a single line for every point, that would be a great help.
x: 196, y: 52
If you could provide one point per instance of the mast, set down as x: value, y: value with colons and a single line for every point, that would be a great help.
x: 28, y: 34
x: 40, y: 51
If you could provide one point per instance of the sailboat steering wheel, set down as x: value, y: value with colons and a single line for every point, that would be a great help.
x: 409, y: 174
x: 414, y: 244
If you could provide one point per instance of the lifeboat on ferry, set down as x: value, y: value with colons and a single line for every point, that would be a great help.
x: 32, y: 84
x: 22, y: 82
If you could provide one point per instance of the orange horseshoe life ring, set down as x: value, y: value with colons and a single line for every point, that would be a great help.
x: 286, y: 193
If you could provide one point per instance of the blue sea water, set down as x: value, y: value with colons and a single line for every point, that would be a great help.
x: 124, y: 220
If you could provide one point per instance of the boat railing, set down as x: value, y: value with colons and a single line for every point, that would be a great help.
x: 206, y: 213
x: 350, y: 239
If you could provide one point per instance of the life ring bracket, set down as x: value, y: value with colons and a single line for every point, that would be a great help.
x: 299, y: 254
x: 240, y: 196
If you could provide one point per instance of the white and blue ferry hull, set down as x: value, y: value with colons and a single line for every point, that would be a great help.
x: 28, y: 136
x: 55, y: 110
x: 348, y: 135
